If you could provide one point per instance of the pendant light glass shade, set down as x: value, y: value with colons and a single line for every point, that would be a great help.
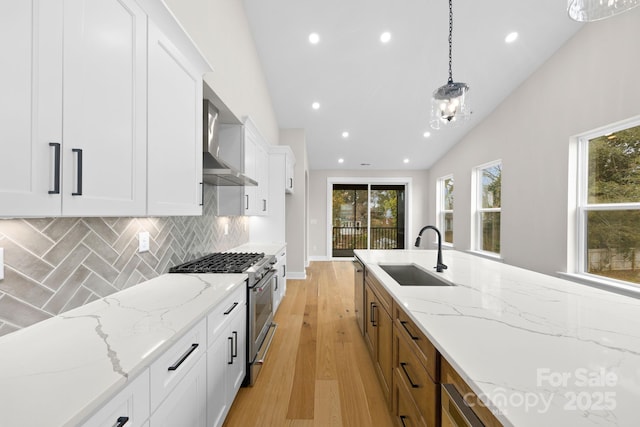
x: 594, y: 10
x: 449, y: 104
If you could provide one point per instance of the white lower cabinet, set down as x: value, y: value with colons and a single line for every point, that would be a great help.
x: 186, y: 405
x: 280, y: 289
x: 129, y: 408
x: 226, y: 357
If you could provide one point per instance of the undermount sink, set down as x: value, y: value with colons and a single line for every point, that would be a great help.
x: 412, y: 275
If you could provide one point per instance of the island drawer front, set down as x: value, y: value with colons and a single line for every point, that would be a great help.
x: 419, y: 343
x: 450, y: 376
x: 167, y: 371
x: 405, y: 410
x: 379, y: 290
x: 422, y: 389
x: 225, y: 311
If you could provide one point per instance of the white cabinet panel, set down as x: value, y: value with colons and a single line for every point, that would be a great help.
x: 104, y: 108
x: 175, y: 130
x: 30, y: 105
x: 186, y: 405
x: 130, y: 407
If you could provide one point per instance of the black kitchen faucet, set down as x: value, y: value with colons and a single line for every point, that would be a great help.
x: 439, y: 265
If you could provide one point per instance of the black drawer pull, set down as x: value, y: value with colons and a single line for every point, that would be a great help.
x: 121, y: 421
x: 403, y: 366
x: 56, y: 168
x: 78, y: 151
x: 202, y: 196
x: 402, y: 418
x: 404, y: 325
x: 235, y: 304
x: 290, y: 182
x: 247, y: 207
x: 230, y: 339
x: 183, y: 358
x: 372, y: 317
x: 234, y: 353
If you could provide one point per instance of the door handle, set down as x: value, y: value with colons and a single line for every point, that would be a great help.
x: 202, y: 194
x: 56, y: 168
x: 230, y: 339
x: 403, y: 366
x: 176, y: 365
x: 372, y: 314
x: 78, y: 152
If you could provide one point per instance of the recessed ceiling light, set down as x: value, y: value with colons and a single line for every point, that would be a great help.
x: 340, y: 160
x: 426, y: 134
x: 314, y: 38
x: 385, y: 37
x: 406, y: 160
x: 511, y: 37
x: 315, y: 105
x: 345, y: 134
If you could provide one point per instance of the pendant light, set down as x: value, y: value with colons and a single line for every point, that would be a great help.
x: 594, y: 10
x: 449, y: 103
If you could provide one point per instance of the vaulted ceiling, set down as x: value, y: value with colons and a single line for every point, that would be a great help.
x: 380, y: 93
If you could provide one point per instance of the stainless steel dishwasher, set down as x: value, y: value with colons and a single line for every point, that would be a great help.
x: 455, y: 413
x: 358, y: 282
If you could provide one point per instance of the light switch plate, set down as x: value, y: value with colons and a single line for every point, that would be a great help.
x: 1, y: 263
x: 143, y: 241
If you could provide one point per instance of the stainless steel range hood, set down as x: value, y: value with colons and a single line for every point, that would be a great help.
x: 214, y: 170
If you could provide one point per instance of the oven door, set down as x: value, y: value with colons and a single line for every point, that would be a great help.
x: 260, y: 311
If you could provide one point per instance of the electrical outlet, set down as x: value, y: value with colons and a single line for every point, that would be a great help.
x: 1, y: 263
x: 143, y: 241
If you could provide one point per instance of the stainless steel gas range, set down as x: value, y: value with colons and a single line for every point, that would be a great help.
x: 260, y: 283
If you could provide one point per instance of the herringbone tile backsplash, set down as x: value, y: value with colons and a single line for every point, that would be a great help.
x: 55, y: 264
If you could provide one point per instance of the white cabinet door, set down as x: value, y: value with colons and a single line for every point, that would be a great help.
x: 175, y: 130
x: 262, y: 166
x: 226, y: 365
x: 129, y: 408
x: 186, y: 405
x: 30, y: 106
x: 281, y: 274
x: 104, y: 108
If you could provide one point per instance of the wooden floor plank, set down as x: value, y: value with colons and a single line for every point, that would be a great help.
x: 318, y: 371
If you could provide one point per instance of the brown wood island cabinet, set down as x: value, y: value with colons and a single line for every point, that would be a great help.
x: 378, y: 331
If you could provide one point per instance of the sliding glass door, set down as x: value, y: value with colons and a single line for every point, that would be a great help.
x: 367, y: 216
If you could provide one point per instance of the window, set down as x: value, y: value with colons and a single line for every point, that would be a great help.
x: 609, y: 203
x: 488, y: 182
x: 445, y: 207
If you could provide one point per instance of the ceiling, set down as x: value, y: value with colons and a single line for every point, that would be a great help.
x: 381, y: 93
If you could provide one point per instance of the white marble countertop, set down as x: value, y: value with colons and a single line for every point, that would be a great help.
x: 59, y: 371
x: 268, y: 248
x: 538, y: 350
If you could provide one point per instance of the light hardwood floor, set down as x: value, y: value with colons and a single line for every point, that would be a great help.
x: 318, y: 371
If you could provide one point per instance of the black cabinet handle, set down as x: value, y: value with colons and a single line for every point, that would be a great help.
x: 56, y: 168
x: 234, y: 353
x: 372, y: 314
x: 235, y: 304
x: 247, y: 197
x: 276, y: 287
x: 202, y: 195
x: 284, y: 270
x: 264, y: 205
x: 290, y: 182
x: 183, y: 358
x: 404, y: 325
x: 230, y: 339
x: 402, y: 418
x: 78, y: 151
x: 121, y: 421
x: 403, y: 366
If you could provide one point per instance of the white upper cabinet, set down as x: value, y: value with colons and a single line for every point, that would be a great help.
x: 75, y: 138
x: 30, y: 106
x: 289, y: 171
x: 175, y: 130
x: 104, y: 108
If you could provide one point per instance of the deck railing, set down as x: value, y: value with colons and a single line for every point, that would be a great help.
x: 345, y: 239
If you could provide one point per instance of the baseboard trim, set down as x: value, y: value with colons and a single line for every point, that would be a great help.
x: 297, y: 275
x: 319, y: 258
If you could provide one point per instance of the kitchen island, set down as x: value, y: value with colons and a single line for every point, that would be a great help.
x: 537, y: 350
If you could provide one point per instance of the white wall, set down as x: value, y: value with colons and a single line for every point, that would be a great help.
x: 297, y: 205
x: 221, y: 31
x: 591, y: 81
x: 318, y: 227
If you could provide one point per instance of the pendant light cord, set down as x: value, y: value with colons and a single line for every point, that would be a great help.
x: 450, y: 39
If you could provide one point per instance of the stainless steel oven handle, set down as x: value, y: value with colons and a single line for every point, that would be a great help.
x: 259, y: 287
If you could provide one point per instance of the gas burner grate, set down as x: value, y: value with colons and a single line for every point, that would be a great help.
x: 220, y: 262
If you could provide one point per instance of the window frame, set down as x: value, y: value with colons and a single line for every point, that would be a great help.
x: 440, y: 207
x: 478, y: 210
x: 583, y: 207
